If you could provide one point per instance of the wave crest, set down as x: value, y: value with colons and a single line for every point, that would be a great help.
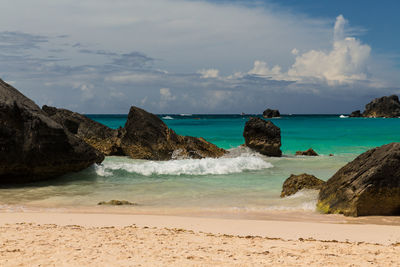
x: 206, y: 166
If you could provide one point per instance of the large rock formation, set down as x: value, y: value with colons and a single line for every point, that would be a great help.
x: 308, y: 152
x: 387, y: 106
x: 295, y: 183
x: 33, y: 146
x: 263, y: 136
x: 369, y: 185
x: 271, y: 113
x: 145, y: 136
x: 97, y: 135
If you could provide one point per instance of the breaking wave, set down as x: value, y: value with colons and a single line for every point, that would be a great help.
x: 167, y: 118
x: 206, y: 166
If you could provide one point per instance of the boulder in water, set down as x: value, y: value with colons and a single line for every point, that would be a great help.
x: 295, y: 183
x: 145, y: 136
x: 33, y: 146
x: 356, y: 114
x: 308, y: 152
x: 263, y: 137
x: 97, y: 135
x: 369, y: 185
x: 271, y: 113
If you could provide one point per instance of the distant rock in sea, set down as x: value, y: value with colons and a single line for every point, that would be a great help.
x: 369, y: 185
x: 263, y: 136
x: 295, y: 183
x: 308, y: 152
x: 386, y: 107
x: 271, y: 113
x: 33, y: 146
x: 97, y: 135
x: 145, y: 136
x: 356, y: 114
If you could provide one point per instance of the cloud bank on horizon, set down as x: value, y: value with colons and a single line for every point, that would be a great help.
x: 177, y: 56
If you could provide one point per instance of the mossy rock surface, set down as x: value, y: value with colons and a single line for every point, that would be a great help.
x: 369, y: 185
x: 295, y: 183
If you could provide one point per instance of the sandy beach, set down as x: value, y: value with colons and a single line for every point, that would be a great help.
x: 72, y: 239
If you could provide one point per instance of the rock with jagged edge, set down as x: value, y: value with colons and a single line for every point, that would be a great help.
x: 263, y: 137
x: 97, y: 135
x: 34, y: 147
x: 295, y: 183
x: 369, y: 185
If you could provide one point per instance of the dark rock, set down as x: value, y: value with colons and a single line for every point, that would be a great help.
x: 330, y: 155
x: 387, y: 106
x: 309, y: 152
x: 271, y: 113
x: 117, y: 203
x: 295, y: 183
x: 33, y: 146
x: 145, y: 136
x: 263, y: 136
x: 369, y: 185
x: 93, y: 133
x: 356, y: 114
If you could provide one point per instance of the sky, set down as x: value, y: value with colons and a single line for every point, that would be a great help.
x: 187, y: 56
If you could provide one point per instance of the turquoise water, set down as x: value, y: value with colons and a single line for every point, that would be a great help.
x: 324, y: 133
x: 241, y: 182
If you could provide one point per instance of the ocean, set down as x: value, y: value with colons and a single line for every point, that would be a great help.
x: 243, y: 183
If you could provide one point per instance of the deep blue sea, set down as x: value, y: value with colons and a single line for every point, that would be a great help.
x: 239, y: 183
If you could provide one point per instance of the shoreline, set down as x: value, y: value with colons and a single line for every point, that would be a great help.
x: 282, y: 229
x: 71, y: 239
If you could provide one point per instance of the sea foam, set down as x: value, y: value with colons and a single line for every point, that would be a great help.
x: 206, y: 166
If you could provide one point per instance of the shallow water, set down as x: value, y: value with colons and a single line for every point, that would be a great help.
x: 242, y: 182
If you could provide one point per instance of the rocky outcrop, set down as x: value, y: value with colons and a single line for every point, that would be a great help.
x: 263, y: 136
x: 271, y: 113
x: 117, y: 203
x: 33, y: 146
x: 308, y: 152
x: 145, y: 136
x: 369, y: 185
x: 356, y: 114
x: 295, y: 183
x: 97, y: 135
x: 387, y: 106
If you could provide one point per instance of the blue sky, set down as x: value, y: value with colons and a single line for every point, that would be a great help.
x: 185, y: 56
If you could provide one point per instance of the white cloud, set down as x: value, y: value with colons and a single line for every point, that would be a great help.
x: 166, y: 94
x: 182, y: 36
x: 338, y: 29
x: 209, y: 73
x: 87, y: 91
x: 261, y: 68
x: 141, y: 77
x: 345, y: 63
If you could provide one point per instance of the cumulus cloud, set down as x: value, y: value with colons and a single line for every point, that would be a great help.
x: 126, y: 51
x: 209, y: 73
x: 261, y: 68
x: 166, y: 94
x: 345, y: 62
